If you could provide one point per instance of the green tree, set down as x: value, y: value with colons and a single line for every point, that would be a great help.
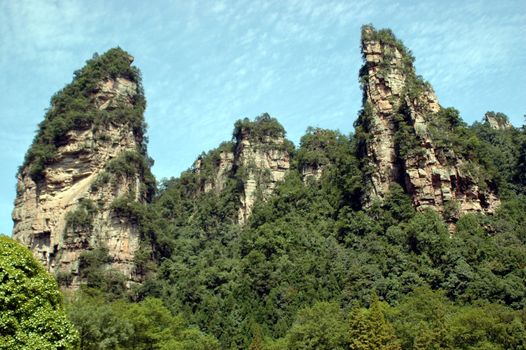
x: 320, y: 327
x: 145, y: 325
x: 31, y: 309
x: 257, y: 340
x: 421, y: 320
x: 369, y: 330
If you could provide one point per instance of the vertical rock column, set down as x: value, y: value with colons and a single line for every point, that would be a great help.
x: 64, y: 203
x: 264, y: 163
x: 394, y: 130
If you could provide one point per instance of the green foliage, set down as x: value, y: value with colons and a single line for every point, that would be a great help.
x: 310, y: 257
x: 257, y: 340
x: 321, y: 327
x: 81, y: 218
x: 94, y: 270
x: 369, y: 330
x: 263, y: 126
x: 311, y: 242
x: 31, y: 310
x: 129, y: 164
x: 319, y: 147
x: 72, y: 108
x: 128, y: 207
x: 387, y: 38
x: 407, y: 144
x: 123, y: 325
x: 501, y: 119
x: 501, y: 152
x: 263, y: 130
x: 209, y: 162
x: 427, y: 320
x: 102, y: 179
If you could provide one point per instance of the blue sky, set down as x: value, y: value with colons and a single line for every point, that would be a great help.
x: 207, y: 63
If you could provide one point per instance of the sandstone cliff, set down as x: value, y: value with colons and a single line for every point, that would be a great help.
x: 258, y: 159
x: 87, y: 161
x: 215, y: 168
x: 407, y: 137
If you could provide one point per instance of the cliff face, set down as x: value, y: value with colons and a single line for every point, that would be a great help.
x: 263, y: 163
x: 258, y: 159
x: 401, y: 127
x: 65, y: 202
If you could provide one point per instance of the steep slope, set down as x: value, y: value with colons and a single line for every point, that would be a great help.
x: 407, y: 138
x: 87, y: 160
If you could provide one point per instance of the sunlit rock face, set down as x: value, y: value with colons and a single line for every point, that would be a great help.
x: 67, y: 209
x: 497, y: 121
x: 398, y: 136
x: 258, y: 159
x: 265, y: 163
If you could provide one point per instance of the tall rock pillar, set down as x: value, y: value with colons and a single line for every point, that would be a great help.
x: 405, y: 134
x: 87, y: 164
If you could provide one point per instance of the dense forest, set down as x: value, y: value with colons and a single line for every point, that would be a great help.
x: 317, y: 265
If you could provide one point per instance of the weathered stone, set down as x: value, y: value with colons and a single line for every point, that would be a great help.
x: 266, y: 163
x: 428, y: 177
x: 497, y: 121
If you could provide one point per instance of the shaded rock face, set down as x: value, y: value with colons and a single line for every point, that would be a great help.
x: 256, y: 162
x: 312, y: 173
x: 68, y: 210
x: 398, y: 105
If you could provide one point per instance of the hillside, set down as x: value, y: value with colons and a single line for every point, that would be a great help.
x: 408, y: 234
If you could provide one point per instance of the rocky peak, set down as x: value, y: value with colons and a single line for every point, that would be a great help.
x: 401, y: 130
x: 258, y: 159
x: 88, y: 156
x: 262, y: 157
x: 497, y: 121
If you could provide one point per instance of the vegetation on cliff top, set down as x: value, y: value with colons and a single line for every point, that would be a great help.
x: 263, y: 132
x: 311, y: 257
x: 72, y: 108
